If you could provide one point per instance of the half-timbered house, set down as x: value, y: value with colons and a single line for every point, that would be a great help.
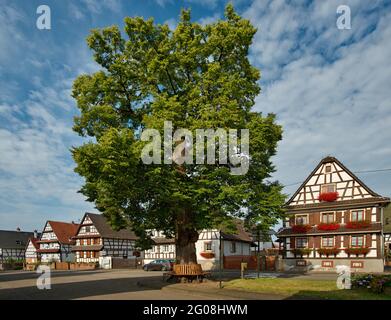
x: 56, y: 241
x: 236, y: 243
x: 333, y: 219
x: 32, y: 256
x: 96, y: 239
x: 13, y: 245
x: 387, y: 233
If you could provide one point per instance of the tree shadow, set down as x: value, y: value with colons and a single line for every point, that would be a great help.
x: 83, y: 289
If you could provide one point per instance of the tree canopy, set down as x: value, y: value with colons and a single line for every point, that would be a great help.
x: 196, y: 76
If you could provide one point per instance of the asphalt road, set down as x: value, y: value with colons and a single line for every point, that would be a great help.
x: 96, y: 284
x: 125, y: 285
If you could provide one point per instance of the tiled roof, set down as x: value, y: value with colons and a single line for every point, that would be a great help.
x: 35, y: 243
x: 14, y: 239
x: 374, y: 227
x: 105, y: 230
x: 241, y: 233
x: 64, y: 231
x: 48, y: 250
x: 162, y: 240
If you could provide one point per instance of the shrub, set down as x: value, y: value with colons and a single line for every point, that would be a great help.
x: 375, y: 283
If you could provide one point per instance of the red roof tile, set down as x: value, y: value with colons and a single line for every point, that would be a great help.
x: 64, y: 231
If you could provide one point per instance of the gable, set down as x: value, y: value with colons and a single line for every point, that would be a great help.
x: 331, y: 172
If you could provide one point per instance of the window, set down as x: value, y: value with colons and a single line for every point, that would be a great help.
x: 208, y: 246
x: 327, y: 241
x: 302, y: 219
x: 88, y: 229
x: 328, y: 169
x: 328, y: 217
x: 96, y: 240
x: 166, y: 248
x: 233, y: 247
x: 88, y: 242
x: 301, y: 242
x: 357, y: 215
x: 328, y: 188
x: 357, y: 241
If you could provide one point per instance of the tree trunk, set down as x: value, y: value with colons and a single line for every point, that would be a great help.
x: 186, y: 237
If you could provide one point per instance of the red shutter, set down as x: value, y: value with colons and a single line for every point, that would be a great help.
x: 292, y: 243
x: 316, y: 218
x: 311, y: 218
x: 338, y: 217
x: 368, y: 215
x: 317, y: 242
x: 338, y: 241
x: 346, y: 241
x: 347, y: 216
x: 368, y: 242
x: 310, y: 242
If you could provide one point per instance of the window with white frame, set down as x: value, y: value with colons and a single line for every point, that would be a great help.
x: 357, y: 241
x: 327, y: 241
x: 301, y: 242
x: 330, y: 187
x: 208, y: 246
x: 233, y: 247
x: 166, y: 248
x: 328, y: 217
x: 301, y: 219
x: 357, y: 215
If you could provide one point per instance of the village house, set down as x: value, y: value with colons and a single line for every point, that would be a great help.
x: 13, y: 245
x: 32, y: 256
x: 236, y: 244
x: 387, y: 234
x: 97, y: 242
x: 56, y: 241
x: 333, y: 219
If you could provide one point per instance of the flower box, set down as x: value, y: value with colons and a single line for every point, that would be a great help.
x: 328, y: 251
x: 357, y: 224
x: 328, y: 226
x: 207, y: 255
x: 301, y: 228
x: 328, y: 196
x: 301, y: 252
x: 357, y: 251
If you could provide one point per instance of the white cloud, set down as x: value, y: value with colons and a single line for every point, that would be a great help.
x: 329, y: 88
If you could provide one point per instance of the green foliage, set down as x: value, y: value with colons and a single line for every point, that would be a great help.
x: 197, y: 77
x: 374, y: 282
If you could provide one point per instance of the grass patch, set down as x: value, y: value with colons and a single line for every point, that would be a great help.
x: 318, y: 289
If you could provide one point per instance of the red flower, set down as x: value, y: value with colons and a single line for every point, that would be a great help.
x: 301, y: 228
x: 328, y: 226
x: 207, y: 255
x: 357, y: 224
x: 357, y: 251
x: 328, y: 196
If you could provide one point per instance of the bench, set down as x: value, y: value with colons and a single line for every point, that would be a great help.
x: 189, y: 272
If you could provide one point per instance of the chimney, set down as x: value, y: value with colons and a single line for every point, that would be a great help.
x: 35, y: 234
x: 18, y: 229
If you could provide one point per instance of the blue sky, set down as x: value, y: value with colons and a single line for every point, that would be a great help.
x: 329, y: 88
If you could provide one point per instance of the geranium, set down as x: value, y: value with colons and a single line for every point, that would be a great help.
x: 328, y: 226
x: 357, y: 251
x: 357, y: 224
x: 207, y: 255
x: 301, y: 252
x: 328, y: 251
x: 328, y: 196
x: 301, y: 228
